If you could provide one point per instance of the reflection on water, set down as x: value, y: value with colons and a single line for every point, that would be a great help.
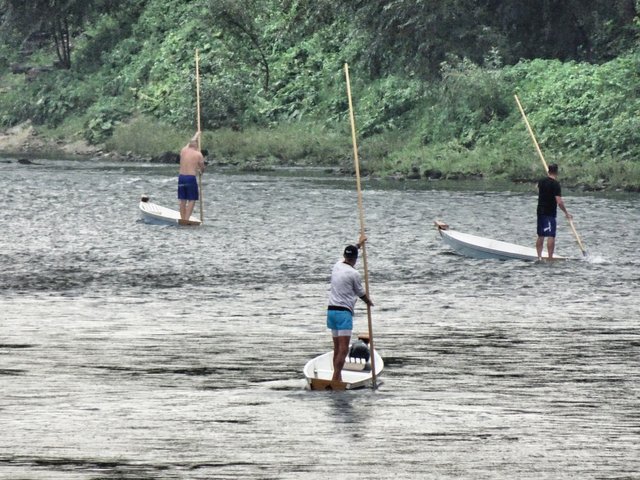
x: 137, y: 351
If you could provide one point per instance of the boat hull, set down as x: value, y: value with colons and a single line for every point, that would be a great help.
x: 488, y: 249
x: 158, y: 215
x: 355, y: 374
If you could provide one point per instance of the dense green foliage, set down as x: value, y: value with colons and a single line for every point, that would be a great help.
x: 433, y: 82
x: 581, y: 30
x: 55, y: 20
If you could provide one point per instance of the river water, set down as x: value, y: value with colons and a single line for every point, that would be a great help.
x: 134, y: 351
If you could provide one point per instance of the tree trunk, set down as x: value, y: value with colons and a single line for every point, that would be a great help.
x: 62, y: 41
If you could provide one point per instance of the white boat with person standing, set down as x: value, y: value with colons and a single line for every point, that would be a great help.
x: 189, y: 179
x: 158, y: 215
x: 486, y: 248
x: 356, y: 373
x: 356, y: 364
x: 483, y: 248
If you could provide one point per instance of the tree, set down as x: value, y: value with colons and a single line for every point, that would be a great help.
x: 421, y: 34
x: 591, y: 30
x: 57, y: 20
x: 417, y: 35
x: 241, y: 22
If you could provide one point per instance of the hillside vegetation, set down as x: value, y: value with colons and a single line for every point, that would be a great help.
x: 433, y: 82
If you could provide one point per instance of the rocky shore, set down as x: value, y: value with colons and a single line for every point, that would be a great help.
x: 23, y: 140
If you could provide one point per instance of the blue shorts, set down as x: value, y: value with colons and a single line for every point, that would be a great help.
x: 340, y: 320
x: 546, y: 226
x: 188, y: 187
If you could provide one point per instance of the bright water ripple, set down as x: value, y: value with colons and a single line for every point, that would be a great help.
x: 137, y: 351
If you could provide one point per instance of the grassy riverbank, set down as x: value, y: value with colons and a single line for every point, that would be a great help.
x: 392, y: 154
x: 312, y: 144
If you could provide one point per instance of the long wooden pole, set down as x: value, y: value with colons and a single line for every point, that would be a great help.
x: 533, y: 137
x: 546, y: 169
x: 356, y: 163
x: 199, y: 130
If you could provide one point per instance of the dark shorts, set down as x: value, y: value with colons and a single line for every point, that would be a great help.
x: 546, y: 226
x: 187, y: 187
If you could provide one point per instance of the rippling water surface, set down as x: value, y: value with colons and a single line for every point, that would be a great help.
x: 136, y: 351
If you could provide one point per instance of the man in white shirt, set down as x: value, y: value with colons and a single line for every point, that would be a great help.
x: 346, y: 288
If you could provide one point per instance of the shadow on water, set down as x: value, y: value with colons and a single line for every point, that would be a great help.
x: 70, y: 468
x: 346, y: 407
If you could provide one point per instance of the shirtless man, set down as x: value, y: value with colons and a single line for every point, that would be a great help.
x: 191, y: 163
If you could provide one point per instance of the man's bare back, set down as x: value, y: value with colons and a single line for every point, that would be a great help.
x: 191, y: 160
x: 191, y: 163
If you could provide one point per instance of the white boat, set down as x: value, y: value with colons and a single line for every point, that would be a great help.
x: 486, y: 248
x: 156, y: 214
x: 356, y: 373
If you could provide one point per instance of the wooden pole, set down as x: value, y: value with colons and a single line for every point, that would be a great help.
x: 198, y: 129
x: 356, y: 163
x: 533, y: 137
x: 546, y: 169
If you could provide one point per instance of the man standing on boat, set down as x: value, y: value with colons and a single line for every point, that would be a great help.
x: 549, y: 198
x: 346, y: 287
x: 191, y: 163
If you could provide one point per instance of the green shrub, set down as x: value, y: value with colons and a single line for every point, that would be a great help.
x: 288, y: 143
x: 102, y: 119
x: 385, y: 104
x: 583, y: 107
x: 146, y: 136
